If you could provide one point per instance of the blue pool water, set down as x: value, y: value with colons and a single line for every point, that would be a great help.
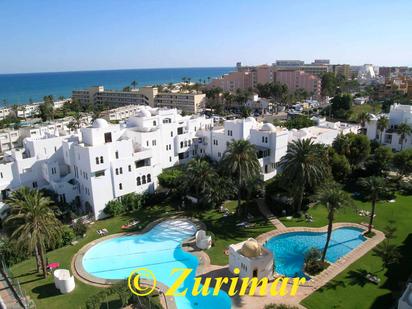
x: 158, y: 250
x: 289, y: 249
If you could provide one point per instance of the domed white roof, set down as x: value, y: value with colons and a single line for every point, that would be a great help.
x: 251, y: 248
x: 268, y: 127
x: 144, y: 113
x: 251, y: 119
x: 100, y: 123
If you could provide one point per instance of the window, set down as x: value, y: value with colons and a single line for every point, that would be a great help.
x: 215, y: 142
x: 266, y: 139
x: 179, y: 131
x: 108, y: 137
x: 143, y: 179
x: 171, y: 133
x: 117, y: 154
x: 117, y: 171
x: 130, y: 168
x: 149, y: 178
x: 120, y: 186
x: 138, y: 182
x: 230, y: 132
x: 154, y: 123
x: 219, y: 154
x: 101, y: 159
x: 121, y: 170
x: 147, y: 143
x: 266, y: 169
x: 99, y: 173
x: 1, y: 175
x: 181, y: 144
x: 170, y: 160
x: 154, y: 142
x: 34, y: 184
x: 97, y: 160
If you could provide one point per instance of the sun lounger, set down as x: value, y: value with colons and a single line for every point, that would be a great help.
x: 373, y: 279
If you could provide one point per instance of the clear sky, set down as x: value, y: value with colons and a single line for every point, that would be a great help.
x: 61, y: 35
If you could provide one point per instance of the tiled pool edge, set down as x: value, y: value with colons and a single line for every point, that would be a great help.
x: 168, y: 302
x: 334, y: 269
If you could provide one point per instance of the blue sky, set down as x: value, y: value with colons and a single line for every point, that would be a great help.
x: 58, y: 35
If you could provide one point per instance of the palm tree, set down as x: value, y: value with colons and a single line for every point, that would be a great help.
x: 333, y: 198
x: 35, y: 225
x: 134, y: 84
x: 374, y: 187
x: 403, y: 130
x: 200, y: 176
x: 240, y: 160
x: 303, y: 165
x: 381, y: 125
x: 388, y: 252
x: 363, y: 118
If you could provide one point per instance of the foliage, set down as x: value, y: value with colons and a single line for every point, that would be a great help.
x: 79, y: 228
x: 171, y: 178
x: 341, y: 105
x: 402, y: 161
x: 340, y: 166
x: 389, y: 253
x: 304, y: 165
x: 299, y: 122
x: 406, y: 187
x: 10, y: 252
x: 132, y: 201
x: 67, y: 236
x: 47, y: 108
x: 329, y: 84
x: 381, y: 125
x: 34, y: 225
x: 380, y: 161
x: 275, y: 90
x: 312, y: 254
x: 355, y: 147
x: 114, y: 208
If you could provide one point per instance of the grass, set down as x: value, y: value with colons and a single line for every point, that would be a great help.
x: 224, y: 230
x: 350, y: 289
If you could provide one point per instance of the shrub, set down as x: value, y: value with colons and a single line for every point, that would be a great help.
x: 132, y: 201
x: 313, y: 264
x: 68, y: 235
x: 114, y: 208
x: 79, y: 228
x: 406, y: 187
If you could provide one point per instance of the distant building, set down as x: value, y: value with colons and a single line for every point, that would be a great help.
x: 185, y: 101
x: 342, y: 69
x: 321, y: 61
x: 289, y: 63
x: 295, y: 80
x: 396, y: 85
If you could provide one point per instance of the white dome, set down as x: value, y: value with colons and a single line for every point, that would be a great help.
x: 251, y: 119
x: 268, y: 127
x: 144, y: 113
x: 100, y: 123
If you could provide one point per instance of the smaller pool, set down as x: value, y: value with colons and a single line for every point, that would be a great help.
x: 289, y: 249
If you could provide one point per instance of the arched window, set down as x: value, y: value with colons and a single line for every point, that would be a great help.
x: 181, y: 144
x: 101, y: 159
x: 97, y: 160
x: 143, y: 179
x: 138, y: 181
x: 149, y: 178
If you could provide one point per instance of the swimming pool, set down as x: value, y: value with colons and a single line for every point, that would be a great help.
x: 158, y: 250
x: 289, y: 249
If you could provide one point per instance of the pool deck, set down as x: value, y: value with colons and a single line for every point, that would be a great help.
x: 208, y: 270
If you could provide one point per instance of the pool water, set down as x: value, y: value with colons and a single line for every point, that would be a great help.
x: 158, y: 250
x: 289, y: 249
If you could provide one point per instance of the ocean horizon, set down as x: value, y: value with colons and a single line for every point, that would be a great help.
x: 20, y: 88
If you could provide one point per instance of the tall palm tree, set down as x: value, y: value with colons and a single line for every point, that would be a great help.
x: 363, y: 118
x: 134, y: 84
x: 381, y: 125
x: 35, y: 227
x: 403, y: 130
x: 374, y: 187
x: 333, y: 198
x: 240, y: 161
x: 389, y: 253
x: 303, y: 165
x: 200, y: 176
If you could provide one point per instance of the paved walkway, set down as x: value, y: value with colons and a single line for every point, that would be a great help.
x: 269, y: 215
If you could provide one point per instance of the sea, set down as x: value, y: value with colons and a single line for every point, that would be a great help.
x: 32, y: 87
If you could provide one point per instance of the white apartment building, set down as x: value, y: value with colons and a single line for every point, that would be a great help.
x: 104, y: 161
x: 120, y: 113
x: 189, y: 102
x: 271, y: 142
x: 324, y: 132
x: 397, y: 114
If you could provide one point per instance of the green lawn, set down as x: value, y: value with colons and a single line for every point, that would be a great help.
x: 349, y: 289
x: 224, y: 229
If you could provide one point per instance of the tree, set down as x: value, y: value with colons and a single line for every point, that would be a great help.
x: 340, y: 105
x: 114, y: 208
x: 403, y: 162
x: 35, y: 225
x: 171, y: 178
x: 381, y: 160
x: 46, y: 111
x: 299, y: 122
x: 356, y: 148
x: 381, y: 125
x: 363, y: 118
x: 374, y: 188
x: 245, y: 112
x: 403, y: 130
x: 340, y: 167
x: 303, y: 165
x: 240, y: 161
x: 388, y: 252
x: 200, y: 176
x: 333, y: 198
x: 328, y: 84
